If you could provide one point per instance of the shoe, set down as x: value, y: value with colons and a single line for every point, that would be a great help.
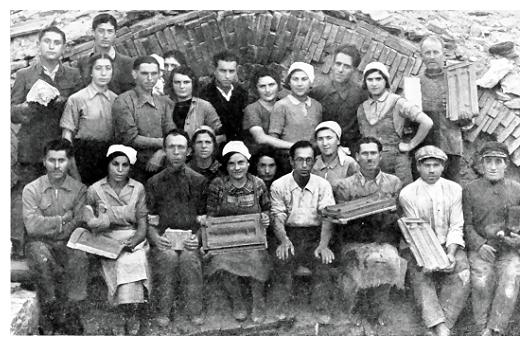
x: 162, y: 321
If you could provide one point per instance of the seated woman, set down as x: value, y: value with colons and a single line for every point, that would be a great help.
x: 266, y: 83
x: 295, y: 117
x: 87, y: 120
x: 120, y: 203
x: 203, y: 151
x: 191, y: 112
x: 235, y: 194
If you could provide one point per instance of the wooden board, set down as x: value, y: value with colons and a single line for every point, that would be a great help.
x: 345, y: 212
x: 462, y: 93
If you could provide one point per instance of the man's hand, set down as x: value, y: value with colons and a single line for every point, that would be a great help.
x: 464, y: 115
x: 201, y: 220
x: 513, y: 240
x: 265, y: 220
x: 282, y: 252
x: 325, y: 254
x: 452, y: 263
x: 487, y: 253
x: 192, y: 243
x: 161, y: 242
x: 155, y: 162
x: 404, y: 147
x: 68, y: 216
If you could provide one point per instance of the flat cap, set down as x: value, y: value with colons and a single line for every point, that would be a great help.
x: 430, y: 151
x: 495, y: 149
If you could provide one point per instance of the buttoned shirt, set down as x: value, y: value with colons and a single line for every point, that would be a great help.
x: 43, y: 206
x: 300, y: 207
x: 137, y: 116
x: 340, y: 167
x: 88, y: 114
x: 486, y: 203
x: 384, y: 185
x: 51, y: 73
x: 177, y: 196
x: 440, y: 204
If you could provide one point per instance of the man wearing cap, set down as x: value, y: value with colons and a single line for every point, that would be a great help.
x: 297, y: 200
x: 332, y: 163
x: 491, y: 213
x: 142, y: 118
x: 439, y: 202
x: 369, y: 256
x: 175, y: 197
x: 384, y: 115
x: 445, y: 134
x: 340, y: 94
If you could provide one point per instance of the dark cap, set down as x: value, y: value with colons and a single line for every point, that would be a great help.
x: 494, y: 149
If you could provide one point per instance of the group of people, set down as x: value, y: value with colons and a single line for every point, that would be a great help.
x: 158, y: 156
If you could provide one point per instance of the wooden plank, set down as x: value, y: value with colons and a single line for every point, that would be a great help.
x: 395, y: 66
x: 328, y: 61
x: 161, y: 37
x: 384, y: 54
x: 378, y: 49
x: 172, y: 44
x: 483, y: 96
x: 508, y: 130
x: 417, y: 66
x: 515, y: 132
x: 390, y: 57
x: 512, y: 144
x: 368, y: 56
x: 276, y: 17
x: 318, y: 51
x: 492, y: 114
x: 480, y: 120
x: 348, y: 37
x: 332, y: 35
x: 508, y: 119
x: 310, y: 53
x: 207, y: 31
x: 229, y: 24
x: 340, y: 34
x: 131, y: 47
x: 138, y: 43
x: 327, y: 30
x: 401, y: 46
x: 279, y: 46
x: 367, y: 35
x: 268, y: 45
x: 496, y: 122
x: 152, y: 46
x: 120, y: 48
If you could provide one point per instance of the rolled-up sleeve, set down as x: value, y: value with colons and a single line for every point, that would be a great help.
x: 70, y: 117
x: 278, y: 205
x: 325, y: 196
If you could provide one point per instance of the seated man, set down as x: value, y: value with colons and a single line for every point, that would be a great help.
x: 297, y: 199
x: 369, y: 256
x: 441, y: 295
x: 493, y: 241
x: 51, y: 211
x: 175, y: 197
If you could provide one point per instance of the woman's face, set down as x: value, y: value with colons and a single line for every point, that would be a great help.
x: 266, y: 168
x: 203, y: 146
x: 267, y: 88
x: 102, y: 72
x: 299, y: 83
x: 376, y: 84
x: 237, y: 166
x: 182, y: 85
x: 119, y: 168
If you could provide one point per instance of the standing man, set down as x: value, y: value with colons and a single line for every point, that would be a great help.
x: 297, y: 200
x: 175, y: 197
x: 141, y: 119
x: 340, y: 95
x: 39, y: 124
x: 228, y: 98
x: 369, y: 256
x: 493, y: 248
x: 445, y: 133
x: 441, y: 295
x: 104, y: 27
x: 51, y: 211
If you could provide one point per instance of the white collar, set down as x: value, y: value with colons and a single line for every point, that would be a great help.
x: 297, y: 102
x: 228, y: 94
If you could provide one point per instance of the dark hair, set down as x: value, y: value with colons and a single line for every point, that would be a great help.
x: 225, y: 55
x: 177, y: 132
x: 58, y: 145
x: 145, y: 59
x: 178, y: 55
x: 104, y: 18
x: 55, y: 29
x: 184, y: 70
x: 212, y: 136
x: 351, y: 51
x: 300, y: 144
x: 432, y: 37
x: 225, y: 158
x: 369, y: 72
x: 264, y: 72
x: 92, y: 61
x: 264, y: 151
x: 366, y: 140
x: 116, y: 154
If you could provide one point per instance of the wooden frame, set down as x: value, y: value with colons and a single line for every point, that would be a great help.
x: 462, y: 94
x: 345, y: 212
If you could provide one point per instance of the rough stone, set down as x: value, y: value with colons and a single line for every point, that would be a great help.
x: 498, y: 69
x: 476, y: 30
x: 510, y: 84
x: 502, y: 48
x: 24, y: 311
x: 513, y: 104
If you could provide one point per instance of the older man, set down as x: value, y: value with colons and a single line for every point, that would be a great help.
x: 297, y: 200
x: 340, y: 94
x: 440, y: 295
x: 51, y: 211
x: 141, y: 118
x: 493, y: 241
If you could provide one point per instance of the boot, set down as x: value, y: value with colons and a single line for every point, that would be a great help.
x: 233, y: 287
x: 258, y: 301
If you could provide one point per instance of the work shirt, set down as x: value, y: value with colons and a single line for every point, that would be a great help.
x: 122, y: 65
x: 43, y: 206
x: 88, y: 114
x: 177, y: 196
x: 39, y: 124
x: 440, y: 204
x: 292, y: 120
x: 486, y: 203
x: 300, y: 207
x: 384, y: 185
x: 339, y: 104
x: 444, y: 133
x: 201, y: 112
x: 340, y: 167
x: 255, y: 114
x: 136, y: 116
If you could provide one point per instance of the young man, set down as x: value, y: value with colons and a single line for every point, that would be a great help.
x: 39, y: 124
x: 445, y: 134
x: 438, y: 201
x: 175, y: 197
x: 333, y: 163
x: 51, y: 211
x: 340, y: 95
x: 104, y: 27
x: 297, y: 200
x: 493, y: 241
x: 228, y: 98
x: 369, y: 256
x: 141, y: 119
